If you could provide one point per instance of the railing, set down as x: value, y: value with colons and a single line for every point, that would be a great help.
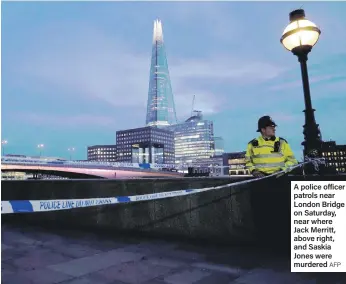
x: 84, y: 164
x: 214, y: 169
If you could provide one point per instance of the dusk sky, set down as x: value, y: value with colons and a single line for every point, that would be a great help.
x: 73, y: 73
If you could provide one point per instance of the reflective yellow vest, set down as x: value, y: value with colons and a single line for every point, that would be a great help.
x: 269, y: 156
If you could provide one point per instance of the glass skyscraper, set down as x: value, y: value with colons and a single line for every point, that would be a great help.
x: 160, y: 105
x: 219, y: 146
x: 194, y: 140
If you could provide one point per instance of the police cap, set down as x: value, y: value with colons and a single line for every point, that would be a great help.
x: 265, y: 121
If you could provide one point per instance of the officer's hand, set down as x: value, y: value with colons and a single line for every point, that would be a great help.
x: 257, y: 174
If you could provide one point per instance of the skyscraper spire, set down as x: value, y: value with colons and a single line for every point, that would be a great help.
x: 157, y: 33
x: 160, y: 105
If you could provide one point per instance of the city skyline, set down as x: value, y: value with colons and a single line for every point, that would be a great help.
x: 74, y: 79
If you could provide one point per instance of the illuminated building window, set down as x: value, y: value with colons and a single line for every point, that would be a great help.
x: 335, y: 155
x: 105, y: 153
x: 194, y: 139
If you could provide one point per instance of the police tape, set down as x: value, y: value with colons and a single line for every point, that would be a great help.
x: 26, y: 206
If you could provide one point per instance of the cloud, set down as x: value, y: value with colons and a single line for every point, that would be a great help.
x: 217, y: 22
x: 80, y: 60
x: 223, y: 67
x: 312, y: 80
x: 337, y: 87
x: 285, y: 117
x: 204, y: 101
x: 70, y: 121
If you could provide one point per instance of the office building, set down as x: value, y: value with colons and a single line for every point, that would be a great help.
x: 236, y: 163
x: 212, y: 165
x: 102, y: 153
x: 335, y: 156
x: 160, y: 104
x: 194, y: 139
x: 218, y: 146
x: 145, y: 145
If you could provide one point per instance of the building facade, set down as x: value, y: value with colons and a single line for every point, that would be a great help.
x: 160, y: 104
x: 335, y: 156
x: 102, y: 153
x: 194, y: 140
x: 235, y: 164
x: 145, y: 145
x: 213, y: 165
x: 218, y: 146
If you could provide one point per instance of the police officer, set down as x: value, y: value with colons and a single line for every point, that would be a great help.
x: 268, y: 154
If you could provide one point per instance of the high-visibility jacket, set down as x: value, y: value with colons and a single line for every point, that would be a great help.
x: 269, y: 155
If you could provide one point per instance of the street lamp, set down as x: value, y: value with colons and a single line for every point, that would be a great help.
x: 40, y: 147
x: 3, y: 143
x: 299, y: 37
x: 71, y: 150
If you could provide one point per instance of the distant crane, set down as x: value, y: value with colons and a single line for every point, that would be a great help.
x: 192, y: 109
x: 193, y: 103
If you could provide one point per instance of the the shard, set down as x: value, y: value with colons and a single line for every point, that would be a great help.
x: 160, y: 105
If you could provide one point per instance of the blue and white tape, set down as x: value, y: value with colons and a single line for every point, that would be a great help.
x: 25, y: 206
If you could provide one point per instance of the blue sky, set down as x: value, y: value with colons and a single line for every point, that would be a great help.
x: 73, y: 73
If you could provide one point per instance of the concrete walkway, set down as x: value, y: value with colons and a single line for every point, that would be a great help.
x: 32, y: 255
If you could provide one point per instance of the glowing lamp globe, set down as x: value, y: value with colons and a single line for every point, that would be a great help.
x: 300, y: 32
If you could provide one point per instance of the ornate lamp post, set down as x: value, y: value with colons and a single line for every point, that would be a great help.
x: 71, y: 150
x: 3, y: 143
x: 299, y: 37
x: 40, y: 147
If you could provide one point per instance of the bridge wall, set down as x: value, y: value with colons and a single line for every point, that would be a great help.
x: 249, y: 213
